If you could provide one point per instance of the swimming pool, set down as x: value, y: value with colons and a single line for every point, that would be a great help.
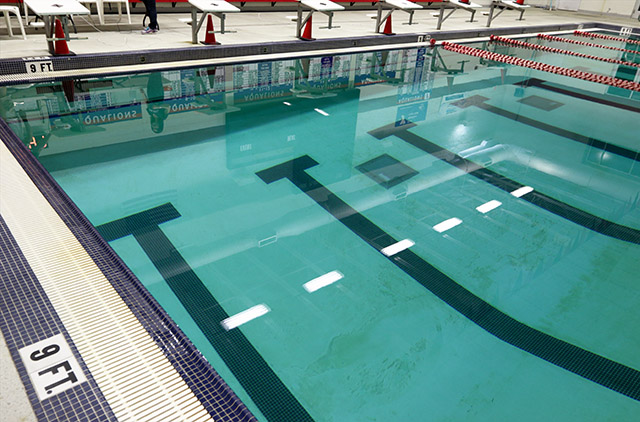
x: 237, y: 187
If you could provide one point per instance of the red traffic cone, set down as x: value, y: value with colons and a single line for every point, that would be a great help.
x: 210, y: 36
x: 60, y: 44
x: 306, y: 34
x: 387, y: 27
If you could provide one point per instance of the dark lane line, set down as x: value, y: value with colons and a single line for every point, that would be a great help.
x: 260, y: 382
x: 480, y: 102
x: 566, y: 211
x: 608, y: 373
x: 539, y: 83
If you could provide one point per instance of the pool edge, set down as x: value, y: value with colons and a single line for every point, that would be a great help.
x: 215, y: 395
x: 14, y: 71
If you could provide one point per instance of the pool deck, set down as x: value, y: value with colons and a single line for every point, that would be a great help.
x: 270, y: 27
x: 251, y: 28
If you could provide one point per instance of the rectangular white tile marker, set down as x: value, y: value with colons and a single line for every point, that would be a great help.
x: 322, y: 281
x: 397, y: 247
x: 244, y: 316
x: 447, y: 224
x: 488, y: 206
x: 522, y: 191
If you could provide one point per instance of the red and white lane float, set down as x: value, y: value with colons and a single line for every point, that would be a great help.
x: 522, y: 44
x: 573, y: 73
x: 605, y: 37
x: 589, y: 44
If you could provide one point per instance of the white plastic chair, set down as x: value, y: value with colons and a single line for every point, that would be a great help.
x: 126, y: 5
x: 7, y: 10
x: 100, y: 8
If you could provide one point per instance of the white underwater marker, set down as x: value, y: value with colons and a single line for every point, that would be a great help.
x: 244, y: 316
x: 522, y: 191
x: 397, y: 247
x: 447, y: 224
x: 488, y: 206
x: 324, y: 113
x: 322, y: 281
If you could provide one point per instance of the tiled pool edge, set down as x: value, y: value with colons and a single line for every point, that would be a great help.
x: 13, y: 71
x: 27, y: 316
x: 206, y: 384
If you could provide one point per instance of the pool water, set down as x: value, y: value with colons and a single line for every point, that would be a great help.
x: 231, y: 187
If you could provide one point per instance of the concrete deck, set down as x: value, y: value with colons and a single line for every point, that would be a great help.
x: 276, y: 26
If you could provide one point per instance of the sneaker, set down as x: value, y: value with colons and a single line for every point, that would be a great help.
x: 148, y: 30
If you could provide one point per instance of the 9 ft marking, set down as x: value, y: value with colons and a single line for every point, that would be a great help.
x: 51, y: 366
x: 50, y: 351
x: 39, y: 67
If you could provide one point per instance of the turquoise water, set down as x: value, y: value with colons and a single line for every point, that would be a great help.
x: 376, y: 345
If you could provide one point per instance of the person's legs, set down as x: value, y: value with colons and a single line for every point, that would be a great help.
x: 150, y: 5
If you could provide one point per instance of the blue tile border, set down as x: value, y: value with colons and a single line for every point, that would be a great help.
x: 26, y: 317
x: 215, y: 395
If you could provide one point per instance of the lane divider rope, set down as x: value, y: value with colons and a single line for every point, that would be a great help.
x: 578, y: 74
x: 605, y: 37
x: 523, y: 44
x: 588, y: 44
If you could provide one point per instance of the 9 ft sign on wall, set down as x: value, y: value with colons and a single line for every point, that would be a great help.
x: 38, y: 64
x: 51, y: 366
